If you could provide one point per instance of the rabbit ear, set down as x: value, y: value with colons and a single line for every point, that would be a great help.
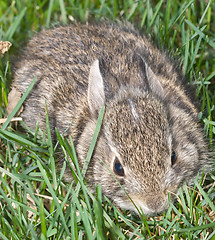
x: 96, y: 94
x: 149, y: 80
x: 153, y: 82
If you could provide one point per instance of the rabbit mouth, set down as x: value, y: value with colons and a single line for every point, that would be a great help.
x: 149, y: 205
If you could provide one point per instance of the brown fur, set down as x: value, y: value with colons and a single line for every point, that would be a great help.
x: 148, y: 113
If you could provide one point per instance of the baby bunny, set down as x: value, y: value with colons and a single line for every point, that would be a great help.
x: 149, y: 141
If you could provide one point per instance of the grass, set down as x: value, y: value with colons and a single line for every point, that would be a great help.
x: 34, y: 201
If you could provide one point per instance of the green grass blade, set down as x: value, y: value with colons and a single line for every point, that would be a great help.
x: 51, y: 2
x: 59, y: 207
x: 63, y: 11
x: 84, y: 217
x: 14, y: 26
x: 3, y: 237
x: 51, y: 150
x: 156, y: 12
x: 99, y: 214
x: 74, y: 227
x: 19, y: 104
x: 111, y: 225
x: 204, y: 194
x: 43, y: 220
x: 182, y: 11
x: 93, y: 142
x: 16, y: 138
x: 205, y: 12
x: 200, y: 33
x: 205, y: 226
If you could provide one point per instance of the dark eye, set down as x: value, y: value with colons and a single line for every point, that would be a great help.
x: 173, y: 158
x: 117, y: 168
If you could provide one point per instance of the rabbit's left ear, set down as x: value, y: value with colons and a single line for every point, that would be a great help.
x: 96, y: 94
x: 149, y: 80
x: 153, y: 82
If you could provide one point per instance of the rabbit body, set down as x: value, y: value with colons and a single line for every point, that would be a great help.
x: 149, y: 140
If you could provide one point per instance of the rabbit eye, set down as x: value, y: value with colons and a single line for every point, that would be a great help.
x: 117, y: 168
x: 173, y: 157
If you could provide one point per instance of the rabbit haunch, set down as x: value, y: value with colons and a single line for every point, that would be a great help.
x: 148, y: 116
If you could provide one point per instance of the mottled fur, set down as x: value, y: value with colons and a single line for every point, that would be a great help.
x: 148, y: 112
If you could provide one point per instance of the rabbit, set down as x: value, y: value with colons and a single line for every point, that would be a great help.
x: 150, y: 139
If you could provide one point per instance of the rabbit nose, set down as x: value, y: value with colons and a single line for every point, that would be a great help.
x: 157, y: 202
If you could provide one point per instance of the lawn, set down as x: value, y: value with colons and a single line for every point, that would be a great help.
x: 35, y: 203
